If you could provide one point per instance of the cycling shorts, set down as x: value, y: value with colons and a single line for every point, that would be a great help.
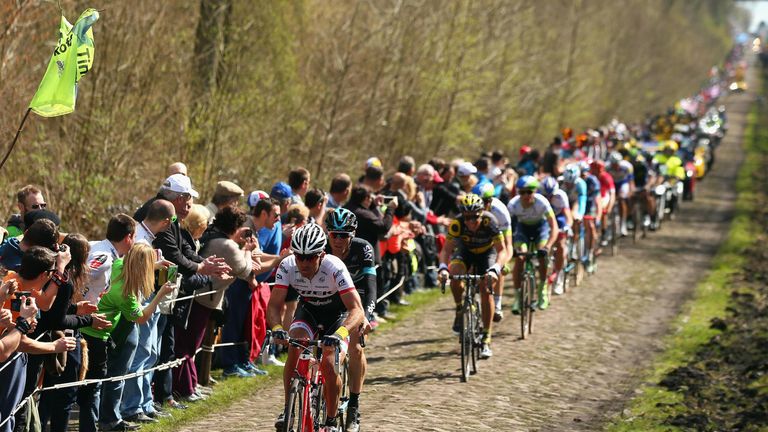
x: 317, y: 325
x: 525, y: 234
x: 604, y: 201
x: 480, y: 262
x: 562, y: 224
x: 622, y: 190
x: 591, y: 211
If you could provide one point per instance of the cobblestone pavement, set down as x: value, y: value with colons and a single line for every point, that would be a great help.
x: 583, y: 360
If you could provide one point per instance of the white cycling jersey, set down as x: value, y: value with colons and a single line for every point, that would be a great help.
x: 621, y: 173
x: 501, y: 212
x: 559, y: 201
x: 533, y: 214
x: 326, y: 286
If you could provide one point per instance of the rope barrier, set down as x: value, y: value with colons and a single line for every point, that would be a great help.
x: 169, y: 365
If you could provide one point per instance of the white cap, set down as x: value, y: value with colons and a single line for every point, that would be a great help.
x: 465, y: 169
x: 180, y: 183
x: 256, y: 196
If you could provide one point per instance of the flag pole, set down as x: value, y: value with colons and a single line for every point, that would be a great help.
x: 16, y: 138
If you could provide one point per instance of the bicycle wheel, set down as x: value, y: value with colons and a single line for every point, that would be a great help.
x: 530, y: 306
x: 477, y: 334
x: 525, y: 304
x: 636, y: 220
x: 344, y: 395
x: 294, y: 412
x: 615, y: 231
x: 466, y: 341
x: 318, y: 405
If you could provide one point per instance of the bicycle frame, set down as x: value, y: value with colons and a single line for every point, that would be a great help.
x: 309, y: 380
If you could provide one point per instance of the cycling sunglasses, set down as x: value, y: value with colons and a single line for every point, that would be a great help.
x: 340, y: 234
x: 525, y: 192
x: 302, y: 257
x: 472, y: 216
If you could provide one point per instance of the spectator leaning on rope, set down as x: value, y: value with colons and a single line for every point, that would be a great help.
x: 137, y: 403
x: 179, y: 250
x: 37, y: 266
x: 132, y: 281
x: 56, y: 405
x: 224, y: 239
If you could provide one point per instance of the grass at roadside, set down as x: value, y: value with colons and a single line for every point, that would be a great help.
x: 649, y: 410
x: 229, y: 391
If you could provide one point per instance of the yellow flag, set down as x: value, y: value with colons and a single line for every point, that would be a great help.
x: 72, y: 58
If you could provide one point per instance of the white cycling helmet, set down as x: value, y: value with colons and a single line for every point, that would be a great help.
x: 308, y: 240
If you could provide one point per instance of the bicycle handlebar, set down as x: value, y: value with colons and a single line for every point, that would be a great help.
x: 304, y: 344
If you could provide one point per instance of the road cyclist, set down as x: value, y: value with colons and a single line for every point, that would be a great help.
x: 500, y: 211
x: 357, y: 255
x: 473, y: 242
x: 329, y: 306
x: 558, y: 199
x: 535, y: 225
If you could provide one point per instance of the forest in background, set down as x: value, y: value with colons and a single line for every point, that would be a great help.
x: 245, y: 90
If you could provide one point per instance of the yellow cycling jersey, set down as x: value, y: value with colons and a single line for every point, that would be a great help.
x: 480, y: 240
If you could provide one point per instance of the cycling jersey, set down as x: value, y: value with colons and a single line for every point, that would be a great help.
x: 321, y: 294
x: 479, y: 241
x: 362, y: 269
x: 559, y: 202
x: 642, y: 172
x: 606, y: 183
x: 499, y: 210
x: 621, y: 172
x: 577, y: 194
x: 593, y: 193
x: 537, y: 212
x: 670, y: 166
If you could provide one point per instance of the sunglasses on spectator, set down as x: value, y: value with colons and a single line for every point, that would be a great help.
x: 341, y: 234
x: 525, y: 192
x: 39, y: 206
x: 302, y: 257
x: 472, y: 216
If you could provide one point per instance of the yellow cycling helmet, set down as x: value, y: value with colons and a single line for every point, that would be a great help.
x: 671, y: 145
x: 471, y: 203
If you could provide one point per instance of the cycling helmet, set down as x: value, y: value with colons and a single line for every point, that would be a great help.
x: 340, y: 219
x: 471, y: 203
x: 571, y: 173
x: 527, y: 182
x: 308, y: 240
x: 597, y: 165
x: 584, y: 165
x: 549, y: 186
x: 615, y: 158
x: 487, y: 191
x: 671, y: 145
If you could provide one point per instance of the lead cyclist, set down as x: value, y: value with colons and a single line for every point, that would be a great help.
x: 328, y: 308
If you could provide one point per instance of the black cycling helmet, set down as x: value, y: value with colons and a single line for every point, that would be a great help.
x: 340, y: 220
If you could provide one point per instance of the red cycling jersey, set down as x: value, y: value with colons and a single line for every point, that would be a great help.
x: 606, y: 183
